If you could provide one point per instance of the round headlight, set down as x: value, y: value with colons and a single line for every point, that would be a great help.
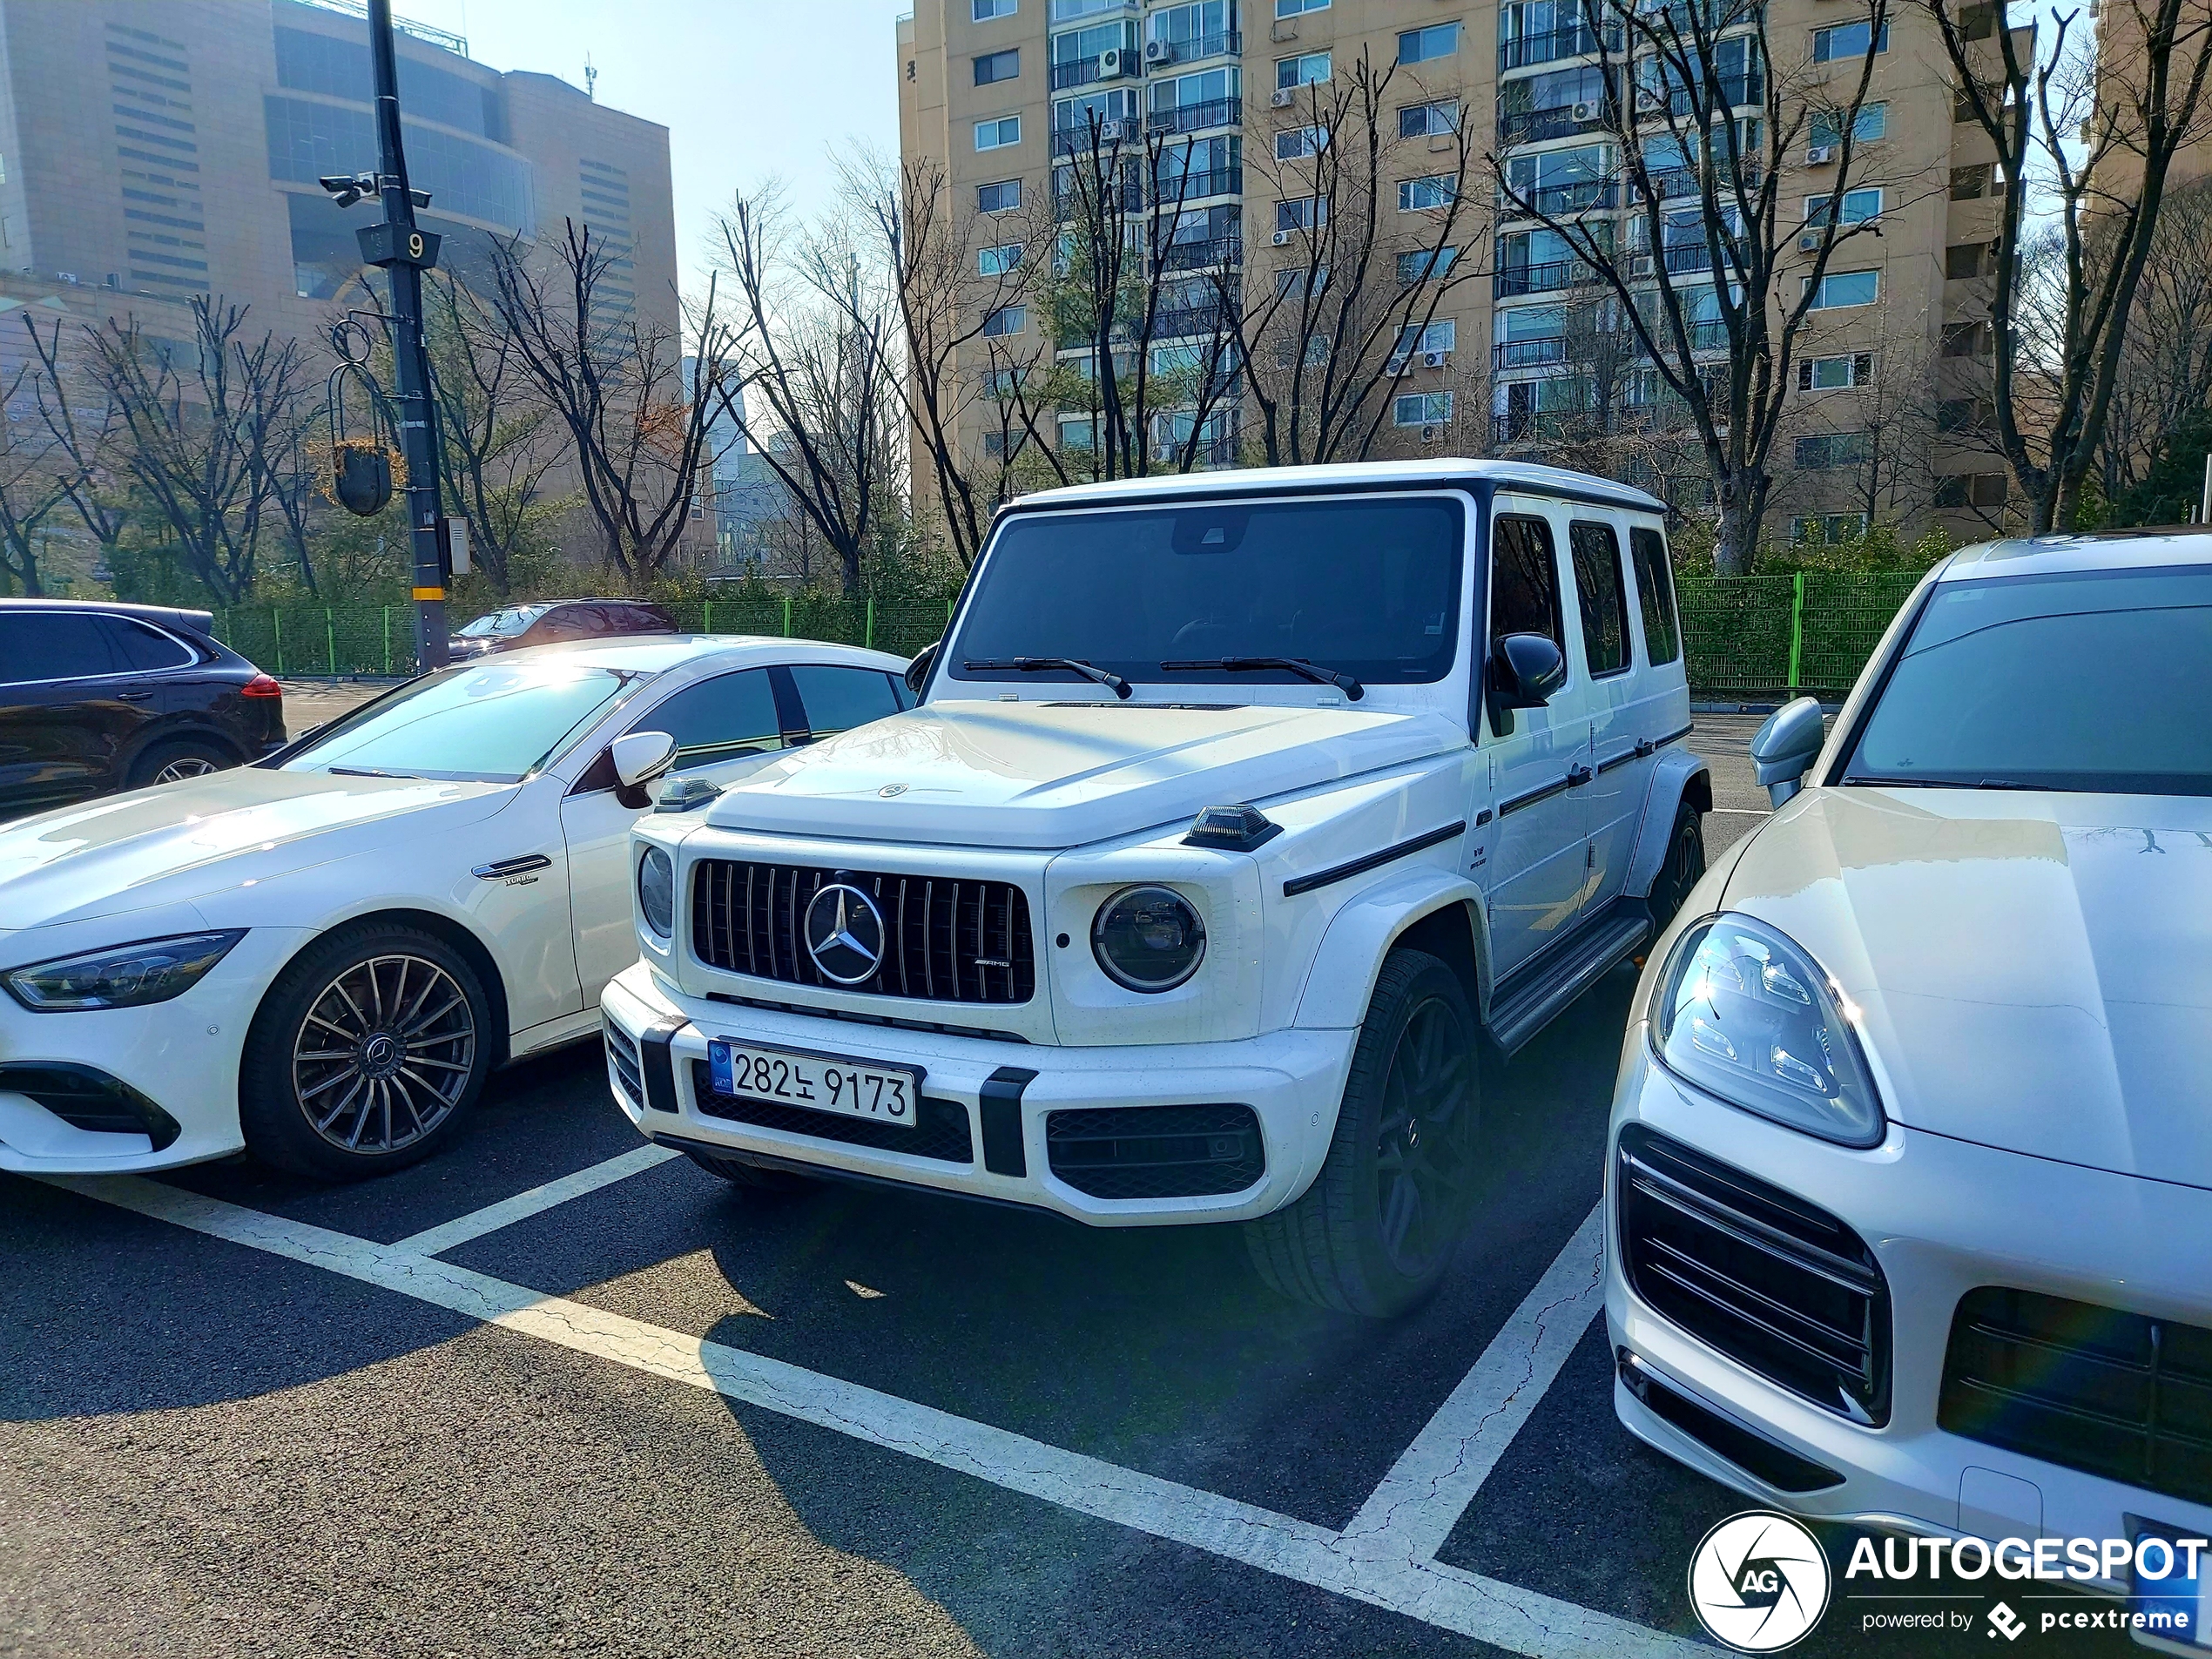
x: 1744, y: 1013
x: 1148, y: 939
x: 657, y: 890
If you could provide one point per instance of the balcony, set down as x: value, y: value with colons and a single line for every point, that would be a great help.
x: 1735, y: 92
x: 1582, y: 196
x: 1533, y: 126
x: 1130, y: 200
x: 1084, y: 71
x: 1528, y: 354
x: 1203, y: 256
x: 1576, y: 40
x: 1194, y: 186
x: 1548, y: 278
x: 1076, y: 141
x: 1228, y: 43
x: 1188, y: 322
x: 1196, y: 118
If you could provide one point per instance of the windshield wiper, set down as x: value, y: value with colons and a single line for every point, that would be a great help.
x: 1947, y: 783
x: 1113, y: 682
x: 1344, y: 682
x: 366, y: 771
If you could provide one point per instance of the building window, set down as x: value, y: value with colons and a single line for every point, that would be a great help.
x: 1860, y: 206
x: 987, y: 11
x: 1827, y: 530
x: 1840, y: 288
x: 1422, y: 263
x: 1004, y: 197
x: 1420, y: 45
x: 1305, y: 214
x: 1833, y: 449
x: 1965, y: 414
x: 1966, y: 340
x: 1417, y: 195
x: 1301, y: 142
x: 1443, y: 336
x: 1421, y: 408
x: 1971, y: 490
x: 1308, y: 282
x: 1298, y: 8
x: 992, y: 67
x: 996, y: 135
x: 1428, y: 121
x: 997, y: 261
x: 1308, y: 69
x: 1967, y: 261
x: 1843, y: 40
x: 1007, y: 319
x: 1078, y: 435
x: 1972, y: 184
x: 1835, y: 374
x: 1874, y: 121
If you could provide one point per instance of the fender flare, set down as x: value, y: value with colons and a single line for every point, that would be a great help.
x: 1678, y: 774
x: 1342, y: 980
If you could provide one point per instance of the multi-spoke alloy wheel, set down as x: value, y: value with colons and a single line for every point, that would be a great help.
x: 185, y: 766
x: 384, y: 1054
x: 1424, y: 1154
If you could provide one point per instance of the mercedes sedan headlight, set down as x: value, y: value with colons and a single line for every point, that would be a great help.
x: 1148, y: 939
x: 1743, y: 1014
x: 656, y: 891
x: 126, y: 976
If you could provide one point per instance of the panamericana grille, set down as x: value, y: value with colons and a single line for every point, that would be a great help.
x: 2115, y: 1394
x: 622, y: 1058
x: 939, y: 1131
x: 1771, y: 1281
x: 1156, y: 1151
x: 944, y: 941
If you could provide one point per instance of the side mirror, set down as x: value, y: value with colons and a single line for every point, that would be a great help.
x: 918, y: 670
x: 1526, y: 672
x: 1786, y: 747
x: 642, y: 756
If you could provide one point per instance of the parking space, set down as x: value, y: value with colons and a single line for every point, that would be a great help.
x: 554, y: 1390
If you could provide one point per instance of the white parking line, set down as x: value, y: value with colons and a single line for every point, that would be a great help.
x: 1488, y: 1609
x: 1746, y: 811
x: 437, y: 1240
x: 1412, y: 1512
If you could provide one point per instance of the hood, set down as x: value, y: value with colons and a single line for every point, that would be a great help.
x: 183, y: 839
x: 2035, y: 971
x: 1062, y: 774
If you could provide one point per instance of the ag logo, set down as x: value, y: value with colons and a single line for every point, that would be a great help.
x: 1758, y: 1582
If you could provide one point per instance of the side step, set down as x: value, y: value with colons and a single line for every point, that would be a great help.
x: 1539, y: 991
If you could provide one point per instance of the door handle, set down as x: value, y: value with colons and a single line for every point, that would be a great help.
x: 134, y: 696
x: 1577, y: 776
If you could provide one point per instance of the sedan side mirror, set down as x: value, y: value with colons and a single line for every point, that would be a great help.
x: 642, y: 756
x: 918, y: 670
x: 1786, y: 747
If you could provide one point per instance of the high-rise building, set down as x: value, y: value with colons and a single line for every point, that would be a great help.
x: 165, y: 149
x: 1891, y: 375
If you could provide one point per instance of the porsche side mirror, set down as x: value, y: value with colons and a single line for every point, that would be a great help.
x: 1786, y: 747
x: 918, y: 670
x: 642, y: 756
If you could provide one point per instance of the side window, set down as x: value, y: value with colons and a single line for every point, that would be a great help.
x: 1524, y: 581
x: 719, y: 720
x: 55, y: 646
x: 1604, y: 596
x: 146, y: 649
x: 1655, y: 584
x: 838, y: 700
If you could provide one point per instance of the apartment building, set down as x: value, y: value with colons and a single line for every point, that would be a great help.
x: 160, y: 150
x: 1892, y: 387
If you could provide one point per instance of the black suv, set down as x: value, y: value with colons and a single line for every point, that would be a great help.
x: 549, y: 621
x: 94, y: 697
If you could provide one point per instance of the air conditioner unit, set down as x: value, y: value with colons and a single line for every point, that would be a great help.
x: 1809, y: 242
x: 1435, y: 359
x: 1396, y: 365
x: 1111, y: 131
x: 1283, y: 238
x: 1109, y: 65
x: 1159, y: 51
x: 1820, y: 155
x: 1650, y: 100
x: 1283, y: 97
x: 1432, y: 433
x: 1586, y: 111
x: 1639, y: 265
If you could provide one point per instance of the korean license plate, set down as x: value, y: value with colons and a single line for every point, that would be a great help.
x: 818, y: 1082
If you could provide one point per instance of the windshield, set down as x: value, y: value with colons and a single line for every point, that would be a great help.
x: 502, y: 624
x: 2092, y: 681
x: 494, y: 722
x: 1369, y: 587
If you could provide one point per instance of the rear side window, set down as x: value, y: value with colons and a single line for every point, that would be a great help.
x: 719, y: 720
x: 143, y: 647
x: 1656, y: 586
x: 1603, y: 595
x: 1524, y: 581
x: 838, y: 700
x: 55, y: 646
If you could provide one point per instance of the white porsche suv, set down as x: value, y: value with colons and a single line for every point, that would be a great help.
x: 1238, y: 811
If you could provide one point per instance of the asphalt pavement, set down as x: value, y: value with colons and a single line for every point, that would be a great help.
x: 549, y: 1392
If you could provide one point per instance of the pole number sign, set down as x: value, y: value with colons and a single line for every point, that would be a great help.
x: 387, y: 245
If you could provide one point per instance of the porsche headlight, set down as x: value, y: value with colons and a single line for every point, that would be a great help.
x: 125, y: 976
x: 656, y: 891
x: 1745, y: 1014
x: 1148, y: 939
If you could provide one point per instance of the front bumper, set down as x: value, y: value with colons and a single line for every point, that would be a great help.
x: 1943, y: 1216
x: 1293, y: 1080
x: 182, y: 1054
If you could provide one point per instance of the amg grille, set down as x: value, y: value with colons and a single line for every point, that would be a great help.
x: 622, y: 1061
x: 2115, y: 1394
x: 940, y: 1129
x: 944, y: 941
x: 1774, y: 1283
x: 1157, y: 1151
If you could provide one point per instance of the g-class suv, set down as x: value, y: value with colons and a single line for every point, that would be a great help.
x: 1238, y: 811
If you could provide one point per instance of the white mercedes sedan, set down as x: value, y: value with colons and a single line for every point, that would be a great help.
x: 320, y: 958
x: 1911, y: 1183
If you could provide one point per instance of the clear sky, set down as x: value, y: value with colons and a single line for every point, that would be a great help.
x: 747, y: 89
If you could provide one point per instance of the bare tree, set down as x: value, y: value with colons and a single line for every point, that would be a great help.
x: 495, y: 431
x: 616, y: 381
x: 2166, y: 368
x: 2086, y: 147
x: 1703, y: 282
x: 82, y: 436
x: 201, y: 435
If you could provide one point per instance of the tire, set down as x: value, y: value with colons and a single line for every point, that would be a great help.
x: 1682, y: 868
x: 738, y: 1173
x: 179, y: 759
x: 1376, y: 1231
x: 390, y: 1022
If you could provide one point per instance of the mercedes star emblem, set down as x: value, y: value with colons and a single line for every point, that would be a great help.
x: 844, y: 933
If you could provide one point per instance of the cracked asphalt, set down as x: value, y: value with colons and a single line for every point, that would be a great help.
x: 210, y: 1449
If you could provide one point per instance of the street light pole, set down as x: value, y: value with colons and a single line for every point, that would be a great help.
x: 405, y: 253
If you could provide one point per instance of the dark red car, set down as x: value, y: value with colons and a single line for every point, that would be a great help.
x: 546, y: 622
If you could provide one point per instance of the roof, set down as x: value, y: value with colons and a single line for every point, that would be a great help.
x: 2091, y: 550
x: 169, y: 615
x: 656, y: 653
x: 1445, y: 470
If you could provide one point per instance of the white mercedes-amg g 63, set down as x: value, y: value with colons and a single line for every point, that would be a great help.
x: 1237, y: 813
